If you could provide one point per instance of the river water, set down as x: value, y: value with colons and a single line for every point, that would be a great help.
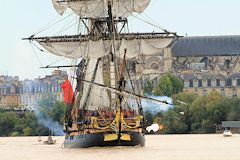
x: 158, y: 147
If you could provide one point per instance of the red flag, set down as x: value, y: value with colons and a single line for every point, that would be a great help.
x: 67, y: 92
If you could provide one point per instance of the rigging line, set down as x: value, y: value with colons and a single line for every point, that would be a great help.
x: 46, y: 51
x: 99, y: 67
x: 65, y: 29
x: 159, y: 27
x: 37, y: 57
x: 152, y: 24
x: 145, y: 20
x: 37, y: 46
x: 66, y: 65
x: 158, y: 89
x: 141, y: 19
x: 146, y: 16
x: 62, y: 59
x: 32, y: 42
x: 40, y: 30
x: 53, y: 24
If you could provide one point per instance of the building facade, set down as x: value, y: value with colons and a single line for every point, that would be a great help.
x: 9, y: 91
x: 202, y: 84
x: 209, y: 63
x: 27, y: 93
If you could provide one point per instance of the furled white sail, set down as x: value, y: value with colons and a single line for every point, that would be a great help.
x: 99, y: 8
x: 97, y: 49
x: 98, y: 96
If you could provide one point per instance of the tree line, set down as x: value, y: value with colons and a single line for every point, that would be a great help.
x: 195, y: 114
x: 30, y: 123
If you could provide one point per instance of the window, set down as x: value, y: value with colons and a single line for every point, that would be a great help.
x: 228, y: 82
x: 209, y: 81
x: 8, y: 90
x: 186, y: 83
x: 238, y: 82
x: 218, y: 82
x: 199, y: 83
x: 190, y: 83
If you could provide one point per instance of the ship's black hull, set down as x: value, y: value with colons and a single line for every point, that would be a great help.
x: 97, y: 139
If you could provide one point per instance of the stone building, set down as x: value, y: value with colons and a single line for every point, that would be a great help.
x: 32, y: 91
x: 152, y: 67
x: 208, y: 64
x: 203, y: 83
x: 9, y: 91
x: 25, y: 94
x: 204, y: 63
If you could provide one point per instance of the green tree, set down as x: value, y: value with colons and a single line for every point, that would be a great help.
x: 168, y: 85
x: 205, y: 114
x: 234, y: 110
x: 174, y: 122
x: 148, y: 87
x: 187, y: 98
x: 7, y: 123
x: 164, y: 86
x: 177, y: 84
x: 27, y: 131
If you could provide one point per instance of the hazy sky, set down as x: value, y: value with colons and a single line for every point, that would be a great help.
x: 23, y: 18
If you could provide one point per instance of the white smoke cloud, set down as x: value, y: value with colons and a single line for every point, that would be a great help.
x: 47, y: 122
x: 155, y: 107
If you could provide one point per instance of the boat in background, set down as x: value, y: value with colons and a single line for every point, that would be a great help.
x: 49, y: 142
x: 227, y: 133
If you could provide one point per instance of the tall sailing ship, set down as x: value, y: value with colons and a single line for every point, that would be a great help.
x: 105, y: 108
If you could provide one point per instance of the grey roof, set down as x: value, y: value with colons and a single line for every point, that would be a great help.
x: 189, y: 77
x: 234, y: 76
x: 206, y: 76
x: 207, y: 46
x: 203, y: 76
